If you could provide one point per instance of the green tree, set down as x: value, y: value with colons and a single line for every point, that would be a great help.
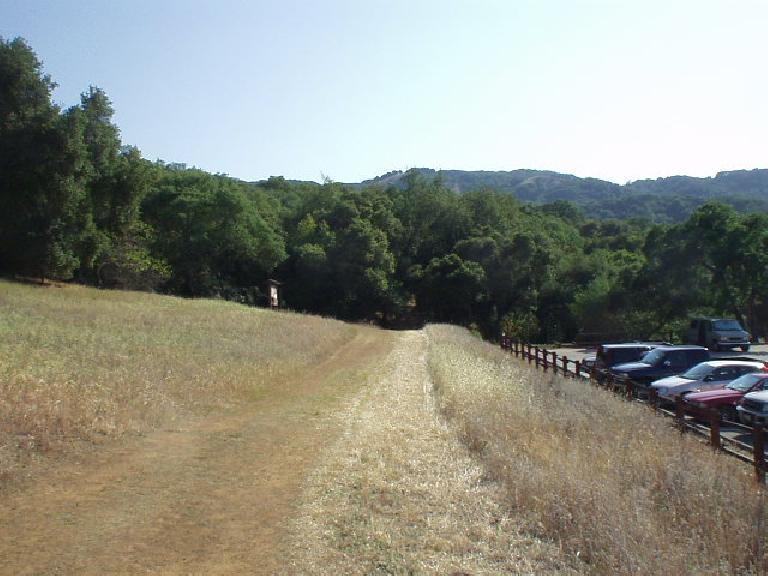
x: 451, y: 289
x: 211, y: 232
x: 42, y: 167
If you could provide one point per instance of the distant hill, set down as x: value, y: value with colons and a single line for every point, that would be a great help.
x: 662, y: 200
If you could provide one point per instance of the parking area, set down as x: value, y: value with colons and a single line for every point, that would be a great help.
x: 734, y: 438
x: 577, y: 353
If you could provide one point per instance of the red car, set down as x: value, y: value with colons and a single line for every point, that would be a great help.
x: 725, y: 399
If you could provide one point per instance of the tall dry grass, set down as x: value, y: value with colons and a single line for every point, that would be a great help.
x: 615, y: 484
x: 83, y: 364
x: 398, y: 494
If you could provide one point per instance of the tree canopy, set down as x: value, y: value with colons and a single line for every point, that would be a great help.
x: 76, y: 202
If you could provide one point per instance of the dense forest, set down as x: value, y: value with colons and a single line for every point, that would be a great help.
x: 77, y: 204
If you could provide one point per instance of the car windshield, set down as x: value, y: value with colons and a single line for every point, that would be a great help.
x: 727, y: 326
x: 744, y: 383
x: 653, y: 356
x: 697, y: 372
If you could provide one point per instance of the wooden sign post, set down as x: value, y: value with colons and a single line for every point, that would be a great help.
x: 273, y: 293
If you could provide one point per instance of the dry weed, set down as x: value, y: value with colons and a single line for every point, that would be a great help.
x: 614, y: 483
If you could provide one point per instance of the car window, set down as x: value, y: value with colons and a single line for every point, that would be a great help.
x: 744, y: 383
x: 698, y: 372
x: 695, y: 356
x: 725, y: 373
x: 622, y: 355
x: 763, y: 385
x: 727, y: 326
x: 748, y: 369
x: 677, y: 358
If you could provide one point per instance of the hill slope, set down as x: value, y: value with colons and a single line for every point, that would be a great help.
x: 664, y: 199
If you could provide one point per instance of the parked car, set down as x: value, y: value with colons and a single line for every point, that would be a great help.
x: 753, y: 408
x: 588, y: 362
x: 710, y: 375
x: 726, y: 399
x: 717, y: 334
x: 609, y: 355
x: 659, y: 363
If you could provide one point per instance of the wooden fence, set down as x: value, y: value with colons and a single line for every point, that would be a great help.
x: 705, y: 422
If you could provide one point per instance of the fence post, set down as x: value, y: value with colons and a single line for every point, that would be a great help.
x: 680, y: 412
x: 653, y: 398
x: 545, y: 359
x: 530, y: 356
x: 565, y: 365
x: 554, y: 362
x: 714, y: 428
x: 536, y: 356
x: 758, y: 452
x: 629, y: 389
x: 578, y: 368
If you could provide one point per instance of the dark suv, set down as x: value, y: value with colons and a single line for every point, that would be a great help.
x: 609, y: 355
x: 659, y: 363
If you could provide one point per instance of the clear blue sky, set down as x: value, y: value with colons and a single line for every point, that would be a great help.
x: 614, y: 89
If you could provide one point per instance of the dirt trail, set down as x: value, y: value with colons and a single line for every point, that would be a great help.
x: 399, y: 493
x: 214, y: 497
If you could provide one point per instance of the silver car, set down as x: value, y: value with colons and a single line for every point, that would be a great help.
x: 710, y: 375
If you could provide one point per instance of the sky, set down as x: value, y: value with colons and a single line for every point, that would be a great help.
x: 349, y: 89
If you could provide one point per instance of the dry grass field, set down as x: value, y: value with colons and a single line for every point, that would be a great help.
x: 614, y: 484
x: 156, y: 435
x: 79, y: 364
x: 152, y: 435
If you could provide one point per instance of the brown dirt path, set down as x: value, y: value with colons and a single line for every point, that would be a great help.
x: 213, y: 497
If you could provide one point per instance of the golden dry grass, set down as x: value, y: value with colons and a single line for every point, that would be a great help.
x: 79, y: 364
x: 399, y: 494
x: 614, y: 483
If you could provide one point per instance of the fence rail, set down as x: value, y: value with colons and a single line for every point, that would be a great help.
x: 688, y: 418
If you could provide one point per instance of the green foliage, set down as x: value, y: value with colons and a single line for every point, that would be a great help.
x: 451, y: 246
x: 41, y: 171
x: 451, y: 288
x: 211, y: 233
x: 522, y: 326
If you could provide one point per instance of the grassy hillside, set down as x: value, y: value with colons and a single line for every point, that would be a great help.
x: 79, y: 364
x: 610, y: 481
